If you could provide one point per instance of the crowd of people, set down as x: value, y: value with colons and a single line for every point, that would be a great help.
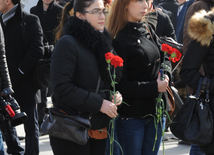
x: 83, y: 32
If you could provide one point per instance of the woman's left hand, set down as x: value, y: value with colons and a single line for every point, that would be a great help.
x: 119, y: 98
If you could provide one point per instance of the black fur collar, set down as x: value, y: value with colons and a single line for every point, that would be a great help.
x: 96, y: 41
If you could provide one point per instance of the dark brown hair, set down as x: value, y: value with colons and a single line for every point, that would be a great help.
x: 70, y: 9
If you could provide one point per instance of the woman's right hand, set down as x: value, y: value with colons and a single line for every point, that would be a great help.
x: 109, y: 108
x: 162, y: 85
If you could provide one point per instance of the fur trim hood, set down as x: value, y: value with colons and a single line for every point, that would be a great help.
x: 201, y: 27
x: 96, y: 41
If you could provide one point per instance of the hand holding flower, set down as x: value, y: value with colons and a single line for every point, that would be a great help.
x: 119, y: 98
x: 162, y: 85
x: 109, y: 109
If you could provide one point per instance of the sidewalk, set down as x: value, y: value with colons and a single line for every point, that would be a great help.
x: 171, y: 146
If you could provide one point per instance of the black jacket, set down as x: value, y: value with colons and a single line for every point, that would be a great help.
x: 142, y: 60
x: 18, y: 57
x: 161, y: 23
x: 200, y: 51
x: 4, y: 73
x: 77, y: 61
x: 49, y: 19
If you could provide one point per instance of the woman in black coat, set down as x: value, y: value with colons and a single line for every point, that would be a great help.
x: 77, y: 63
x: 200, y: 51
x: 140, y: 84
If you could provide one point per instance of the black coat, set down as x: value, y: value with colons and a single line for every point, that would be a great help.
x: 171, y: 5
x: 142, y: 60
x: 49, y: 19
x: 161, y: 23
x: 18, y: 57
x: 200, y: 51
x: 4, y: 73
x: 77, y: 61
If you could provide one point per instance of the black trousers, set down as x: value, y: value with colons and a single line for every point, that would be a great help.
x: 31, y: 131
x: 65, y: 147
x: 42, y: 105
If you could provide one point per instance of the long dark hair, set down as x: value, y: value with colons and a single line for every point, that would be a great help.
x: 70, y: 9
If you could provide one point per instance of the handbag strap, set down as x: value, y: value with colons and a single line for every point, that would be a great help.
x: 199, y: 88
x: 98, y: 85
x: 207, y: 91
x: 150, y: 33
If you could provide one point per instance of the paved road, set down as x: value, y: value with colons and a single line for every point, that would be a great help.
x: 171, y: 146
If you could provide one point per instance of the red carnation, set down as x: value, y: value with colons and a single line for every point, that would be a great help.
x: 175, y: 55
x: 117, y: 61
x: 109, y: 56
x: 166, y: 48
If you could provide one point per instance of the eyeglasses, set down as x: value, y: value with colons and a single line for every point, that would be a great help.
x: 97, y: 12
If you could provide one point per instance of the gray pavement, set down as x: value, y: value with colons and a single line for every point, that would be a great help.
x: 171, y: 146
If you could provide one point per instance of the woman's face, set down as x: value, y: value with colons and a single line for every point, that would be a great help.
x: 95, y: 16
x: 136, y: 10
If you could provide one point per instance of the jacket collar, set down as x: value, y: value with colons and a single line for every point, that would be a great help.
x: 97, y: 42
x: 19, y: 12
x: 134, y: 28
x: 40, y: 5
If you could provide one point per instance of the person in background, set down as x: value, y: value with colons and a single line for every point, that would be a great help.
x: 49, y: 13
x: 171, y: 5
x: 141, y: 83
x: 5, y: 83
x: 181, y: 14
x: 160, y: 21
x: 8, y: 132
x: 196, y: 6
x: 82, y: 44
x: 200, y: 51
x: 21, y: 62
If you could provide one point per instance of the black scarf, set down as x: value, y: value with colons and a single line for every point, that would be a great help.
x: 96, y: 41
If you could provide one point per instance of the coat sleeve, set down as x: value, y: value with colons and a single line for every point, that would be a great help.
x: 133, y: 88
x: 63, y: 68
x: 35, y: 47
x: 169, y: 29
x: 193, y: 59
x: 5, y: 78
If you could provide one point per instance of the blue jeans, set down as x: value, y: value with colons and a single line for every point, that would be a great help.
x: 1, y: 145
x: 195, y: 150
x: 137, y: 135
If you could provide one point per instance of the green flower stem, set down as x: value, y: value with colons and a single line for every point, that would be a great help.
x: 113, y: 119
x: 112, y: 137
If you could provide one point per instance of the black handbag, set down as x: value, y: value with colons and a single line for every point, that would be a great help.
x: 194, y: 122
x: 41, y: 72
x: 68, y: 124
x: 69, y: 127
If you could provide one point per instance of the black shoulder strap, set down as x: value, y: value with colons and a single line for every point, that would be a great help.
x: 23, y: 24
x: 98, y: 85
